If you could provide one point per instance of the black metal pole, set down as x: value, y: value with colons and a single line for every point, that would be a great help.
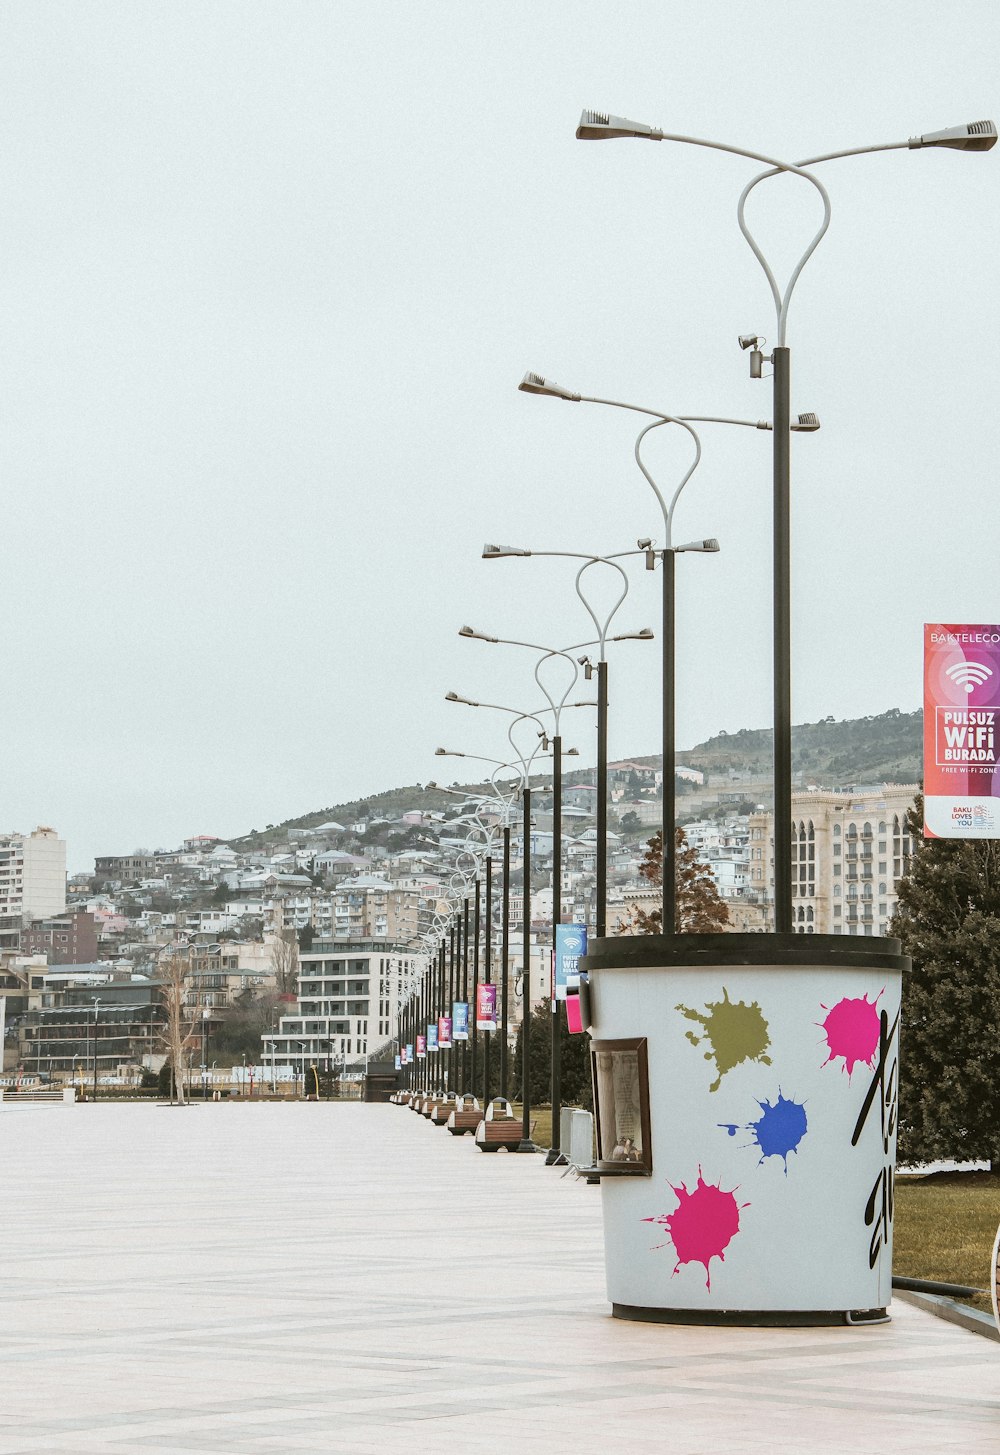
x: 475, y: 984
x: 601, y: 913
x: 669, y: 791
x: 782, y: 647
x: 452, y: 1077
x: 488, y: 972
x: 445, y: 1086
x: 173, y: 1070
x: 555, y: 1068
x: 470, y: 1016
x: 526, y: 1144
x: 505, y: 966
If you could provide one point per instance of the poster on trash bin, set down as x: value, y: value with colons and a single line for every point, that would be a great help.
x: 486, y: 1008
x: 460, y: 1020
x: 444, y: 1032
x: 961, y: 731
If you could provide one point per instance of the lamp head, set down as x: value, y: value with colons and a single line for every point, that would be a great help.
x: 805, y: 424
x: 494, y: 553
x: 708, y: 546
x: 974, y: 136
x: 468, y: 631
x: 598, y: 125
x: 536, y: 384
x: 443, y: 753
x: 750, y: 341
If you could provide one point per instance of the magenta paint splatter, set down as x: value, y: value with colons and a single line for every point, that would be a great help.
x: 852, y: 1031
x: 702, y: 1225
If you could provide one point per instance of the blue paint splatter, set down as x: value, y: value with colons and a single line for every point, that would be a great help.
x: 781, y: 1128
x: 731, y: 1127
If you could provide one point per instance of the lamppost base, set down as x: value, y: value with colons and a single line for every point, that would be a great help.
x: 554, y: 1158
x: 527, y: 1146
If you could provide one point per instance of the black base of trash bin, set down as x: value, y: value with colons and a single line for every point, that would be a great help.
x: 751, y: 1318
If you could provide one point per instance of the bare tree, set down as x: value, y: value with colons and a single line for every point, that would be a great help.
x: 182, y: 1020
x: 285, y: 961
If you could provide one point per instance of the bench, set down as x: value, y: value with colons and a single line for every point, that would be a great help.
x: 466, y: 1116
x: 499, y: 1128
x: 442, y: 1109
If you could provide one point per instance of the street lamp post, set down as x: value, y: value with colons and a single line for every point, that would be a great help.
x: 97, y: 1003
x: 974, y: 136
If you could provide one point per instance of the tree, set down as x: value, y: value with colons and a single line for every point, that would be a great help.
x: 700, y: 909
x: 631, y: 822
x: 242, y: 1023
x: 948, y: 919
x: 574, y: 1070
x: 182, y: 1020
x: 285, y: 962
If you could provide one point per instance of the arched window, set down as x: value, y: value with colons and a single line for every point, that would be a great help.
x: 836, y: 831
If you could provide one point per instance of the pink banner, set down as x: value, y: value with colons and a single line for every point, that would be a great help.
x: 486, y: 1008
x: 444, y: 1032
x: 421, y: 1046
x: 961, y: 719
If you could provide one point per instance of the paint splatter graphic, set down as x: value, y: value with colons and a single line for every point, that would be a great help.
x: 735, y: 1032
x: 702, y: 1225
x: 852, y: 1031
x: 778, y: 1131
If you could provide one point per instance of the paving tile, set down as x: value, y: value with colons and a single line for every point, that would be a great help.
x: 265, y: 1279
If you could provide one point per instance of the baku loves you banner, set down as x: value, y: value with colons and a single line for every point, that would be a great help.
x: 961, y: 718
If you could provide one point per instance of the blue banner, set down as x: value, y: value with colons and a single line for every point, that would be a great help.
x: 460, y: 1020
x: 432, y: 1036
x: 571, y: 944
x: 399, y: 1061
x: 409, y: 1053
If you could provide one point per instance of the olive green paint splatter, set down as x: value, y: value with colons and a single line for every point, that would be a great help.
x: 735, y: 1032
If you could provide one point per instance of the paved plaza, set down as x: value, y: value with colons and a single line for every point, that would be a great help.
x: 340, y: 1277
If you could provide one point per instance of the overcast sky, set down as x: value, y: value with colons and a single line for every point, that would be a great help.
x: 270, y: 275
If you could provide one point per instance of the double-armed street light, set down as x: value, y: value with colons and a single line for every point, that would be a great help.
x: 976, y: 136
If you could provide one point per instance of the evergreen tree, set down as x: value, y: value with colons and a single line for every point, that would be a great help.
x: 574, y: 1070
x: 948, y: 919
x: 700, y: 909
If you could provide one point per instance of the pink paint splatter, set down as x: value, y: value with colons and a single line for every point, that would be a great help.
x: 702, y: 1225
x: 852, y: 1031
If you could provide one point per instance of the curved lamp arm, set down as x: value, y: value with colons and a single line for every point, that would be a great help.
x: 668, y: 511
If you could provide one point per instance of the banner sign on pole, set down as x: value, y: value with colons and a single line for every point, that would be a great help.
x: 571, y: 943
x: 432, y: 1036
x: 421, y: 1047
x: 961, y: 732
x: 444, y: 1032
x: 409, y: 1053
x: 486, y: 1008
x: 460, y: 1020
x: 399, y: 1061
x: 402, y: 1056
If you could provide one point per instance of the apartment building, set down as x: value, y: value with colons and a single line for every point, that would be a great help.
x: 850, y: 849
x: 32, y: 875
x: 348, y: 1002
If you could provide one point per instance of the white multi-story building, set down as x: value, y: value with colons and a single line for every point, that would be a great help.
x: 348, y: 1002
x: 32, y: 874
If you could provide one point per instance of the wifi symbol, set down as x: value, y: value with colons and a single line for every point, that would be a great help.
x: 969, y: 674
